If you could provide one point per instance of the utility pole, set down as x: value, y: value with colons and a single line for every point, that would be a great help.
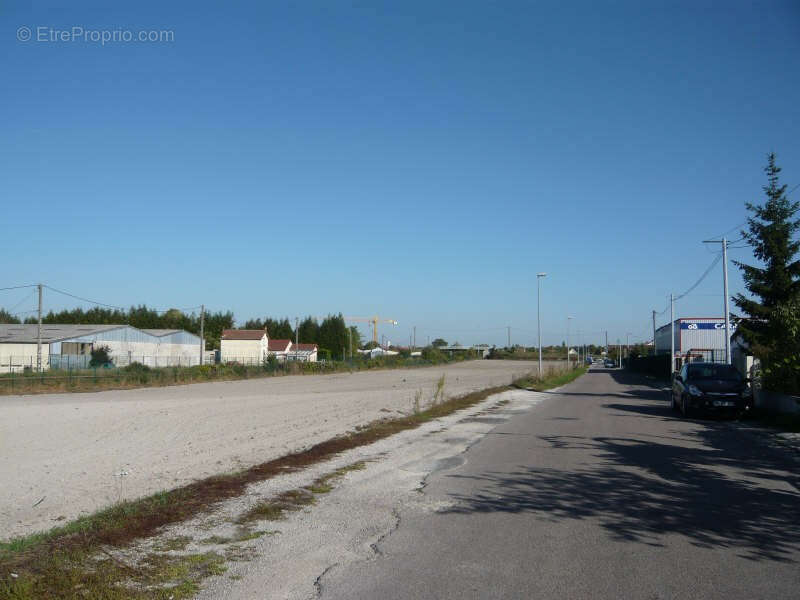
x: 350, y: 340
x: 39, y: 333
x: 539, y: 277
x: 607, y: 348
x: 202, y: 332
x: 724, y: 243
x: 654, y: 333
x: 727, y: 308
x: 671, y: 334
x: 414, y: 342
x: 509, y: 337
x: 297, y: 336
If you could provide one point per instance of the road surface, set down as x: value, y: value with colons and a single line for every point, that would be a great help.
x: 599, y: 491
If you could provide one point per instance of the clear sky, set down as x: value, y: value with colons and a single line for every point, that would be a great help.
x: 417, y: 160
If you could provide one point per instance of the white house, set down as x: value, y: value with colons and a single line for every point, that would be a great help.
x: 279, y: 348
x: 244, y: 346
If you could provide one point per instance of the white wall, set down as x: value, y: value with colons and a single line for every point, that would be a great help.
x: 243, y: 350
x: 14, y: 357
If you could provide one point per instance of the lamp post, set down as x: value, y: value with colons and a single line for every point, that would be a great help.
x: 627, y: 346
x: 539, y: 277
x: 568, y: 320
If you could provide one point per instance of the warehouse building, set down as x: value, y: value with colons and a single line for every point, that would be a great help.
x: 70, y: 346
x: 695, y: 339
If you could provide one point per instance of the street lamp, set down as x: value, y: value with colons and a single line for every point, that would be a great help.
x: 628, y: 346
x: 539, y: 277
x: 568, y: 320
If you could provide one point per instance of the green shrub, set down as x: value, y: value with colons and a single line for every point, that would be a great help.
x: 100, y: 356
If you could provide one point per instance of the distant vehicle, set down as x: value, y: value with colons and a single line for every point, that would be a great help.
x: 609, y: 364
x: 710, y: 388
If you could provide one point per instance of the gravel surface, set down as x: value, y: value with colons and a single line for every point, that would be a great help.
x: 64, y: 455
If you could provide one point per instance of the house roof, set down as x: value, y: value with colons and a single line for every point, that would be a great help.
x: 279, y: 345
x: 310, y: 347
x: 243, y: 334
x: 22, y: 334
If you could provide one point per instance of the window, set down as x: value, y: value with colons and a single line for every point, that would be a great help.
x: 726, y: 372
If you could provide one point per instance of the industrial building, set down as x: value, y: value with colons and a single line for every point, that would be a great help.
x: 696, y: 338
x: 70, y: 346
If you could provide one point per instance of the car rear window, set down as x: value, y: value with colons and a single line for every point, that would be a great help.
x: 714, y: 372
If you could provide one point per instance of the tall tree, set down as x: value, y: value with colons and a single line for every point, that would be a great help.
x: 771, y: 233
x: 308, y: 331
x: 333, y: 335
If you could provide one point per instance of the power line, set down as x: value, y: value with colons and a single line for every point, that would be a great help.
x: 25, y: 299
x: 17, y: 287
x: 114, y: 306
x: 702, y: 277
x: 84, y: 299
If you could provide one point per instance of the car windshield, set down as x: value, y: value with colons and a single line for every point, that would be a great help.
x: 714, y: 372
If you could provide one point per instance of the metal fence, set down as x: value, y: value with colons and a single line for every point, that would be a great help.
x: 74, y: 362
x: 77, y: 362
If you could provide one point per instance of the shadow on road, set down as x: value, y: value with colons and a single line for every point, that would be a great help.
x: 703, y: 483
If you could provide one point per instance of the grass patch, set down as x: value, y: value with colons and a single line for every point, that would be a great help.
x: 325, y: 483
x: 51, y: 564
x: 551, y: 380
x: 276, y: 508
x: 216, y: 540
x: 244, y: 534
x: 104, y: 576
x: 173, y: 544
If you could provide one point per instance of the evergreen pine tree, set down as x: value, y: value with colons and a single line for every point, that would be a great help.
x: 771, y: 233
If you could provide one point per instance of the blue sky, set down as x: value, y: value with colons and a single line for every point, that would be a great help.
x: 417, y: 160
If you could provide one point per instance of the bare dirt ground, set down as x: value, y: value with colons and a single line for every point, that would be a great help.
x: 64, y: 455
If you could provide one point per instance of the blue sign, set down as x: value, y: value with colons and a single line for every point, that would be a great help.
x: 702, y: 325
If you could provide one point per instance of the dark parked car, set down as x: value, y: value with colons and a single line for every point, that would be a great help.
x: 710, y: 388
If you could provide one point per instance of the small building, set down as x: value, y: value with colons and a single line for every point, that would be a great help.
x: 70, y: 346
x: 303, y: 352
x: 246, y: 346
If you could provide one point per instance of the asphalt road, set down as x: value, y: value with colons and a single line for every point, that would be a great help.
x: 597, y: 492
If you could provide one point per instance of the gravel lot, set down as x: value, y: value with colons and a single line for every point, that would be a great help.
x: 64, y: 455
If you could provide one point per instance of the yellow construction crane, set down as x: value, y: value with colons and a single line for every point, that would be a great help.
x: 374, y: 320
